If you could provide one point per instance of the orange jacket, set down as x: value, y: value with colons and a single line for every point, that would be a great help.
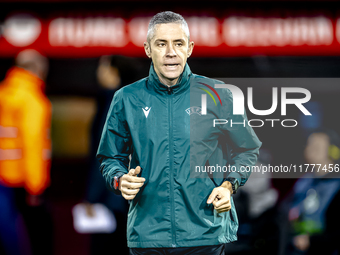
x: 25, y: 120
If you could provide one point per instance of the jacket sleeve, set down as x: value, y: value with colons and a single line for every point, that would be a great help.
x: 35, y: 125
x: 243, y: 145
x: 115, y: 143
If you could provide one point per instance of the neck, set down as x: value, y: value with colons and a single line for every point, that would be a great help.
x: 167, y: 82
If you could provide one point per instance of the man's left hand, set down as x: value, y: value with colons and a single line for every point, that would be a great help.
x: 220, y: 197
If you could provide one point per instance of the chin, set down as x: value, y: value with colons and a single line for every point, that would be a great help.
x: 172, y: 75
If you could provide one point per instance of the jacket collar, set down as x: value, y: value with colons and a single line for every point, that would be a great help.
x: 181, y: 85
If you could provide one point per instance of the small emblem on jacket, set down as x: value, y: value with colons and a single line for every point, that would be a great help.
x: 194, y: 109
x: 146, y: 111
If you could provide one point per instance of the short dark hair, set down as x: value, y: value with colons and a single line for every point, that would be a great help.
x: 164, y: 18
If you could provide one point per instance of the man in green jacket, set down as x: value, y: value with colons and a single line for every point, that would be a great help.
x: 177, y: 206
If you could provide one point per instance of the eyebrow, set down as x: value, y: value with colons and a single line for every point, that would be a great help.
x: 163, y: 40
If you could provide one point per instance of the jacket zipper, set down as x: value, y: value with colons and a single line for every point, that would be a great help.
x: 173, y: 227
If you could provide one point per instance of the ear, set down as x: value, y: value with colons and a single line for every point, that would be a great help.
x: 147, y: 49
x: 190, y: 48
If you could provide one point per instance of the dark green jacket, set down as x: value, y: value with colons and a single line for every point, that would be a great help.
x: 168, y: 139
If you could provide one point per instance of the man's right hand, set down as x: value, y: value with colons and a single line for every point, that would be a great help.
x: 129, y: 184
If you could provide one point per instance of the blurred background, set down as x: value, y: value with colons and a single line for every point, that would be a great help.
x: 78, y: 53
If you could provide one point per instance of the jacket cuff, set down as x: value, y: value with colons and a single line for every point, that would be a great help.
x: 237, y: 176
x: 116, y: 191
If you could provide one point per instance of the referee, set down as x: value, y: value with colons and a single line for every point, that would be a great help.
x: 158, y: 121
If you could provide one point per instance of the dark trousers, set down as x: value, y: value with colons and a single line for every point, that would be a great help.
x: 11, y: 223
x: 198, y: 250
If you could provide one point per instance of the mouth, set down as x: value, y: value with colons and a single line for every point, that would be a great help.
x: 171, y: 66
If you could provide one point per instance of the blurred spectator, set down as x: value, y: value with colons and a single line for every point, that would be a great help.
x: 25, y: 146
x: 313, y: 203
x: 256, y: 205
x: 112, y: 73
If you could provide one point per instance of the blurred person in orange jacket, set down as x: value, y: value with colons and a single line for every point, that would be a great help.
x: 25, y: 117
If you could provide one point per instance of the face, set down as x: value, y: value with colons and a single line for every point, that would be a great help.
x: 169, y: 49
x: 316, y: 151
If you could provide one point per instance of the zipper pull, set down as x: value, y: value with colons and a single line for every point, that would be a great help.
x: 169, y: 89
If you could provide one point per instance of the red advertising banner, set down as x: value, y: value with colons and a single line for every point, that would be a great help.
x: 229, y: 36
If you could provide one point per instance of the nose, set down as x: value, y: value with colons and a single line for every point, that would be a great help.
x: 170, y: 50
